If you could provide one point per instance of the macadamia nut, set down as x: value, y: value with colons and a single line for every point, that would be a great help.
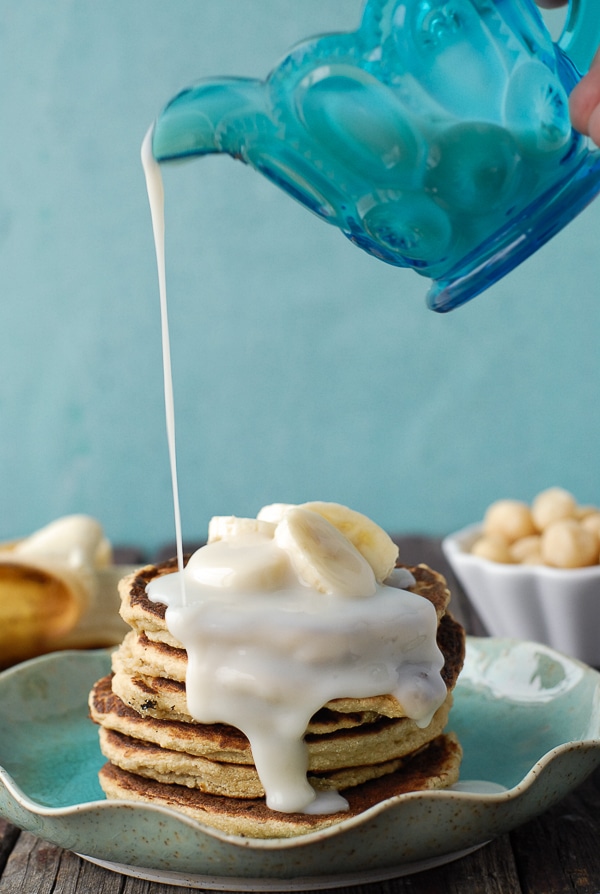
x: 551, y: 506
x: 533, y: 558
x: 567, y: 544
x: 510, y: 519
x: 493, y: 548
x: 554, y: 531
x: 591, y: 523
x: 527, y: 549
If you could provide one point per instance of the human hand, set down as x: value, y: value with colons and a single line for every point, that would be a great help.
x: 584, y: 103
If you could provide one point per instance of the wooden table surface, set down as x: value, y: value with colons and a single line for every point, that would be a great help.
x: 557, y: 853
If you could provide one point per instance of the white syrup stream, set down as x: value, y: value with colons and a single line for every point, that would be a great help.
x: 156, y: 197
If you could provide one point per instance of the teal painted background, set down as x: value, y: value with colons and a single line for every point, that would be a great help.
x: 303, y: 368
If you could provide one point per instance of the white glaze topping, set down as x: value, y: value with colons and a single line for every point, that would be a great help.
x: 265, y: 652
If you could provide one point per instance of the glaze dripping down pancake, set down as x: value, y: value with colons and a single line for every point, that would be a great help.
x: 435, y: 766
x: 366, y: 748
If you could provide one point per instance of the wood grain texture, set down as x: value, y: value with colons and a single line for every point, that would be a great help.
x: 559, y: 852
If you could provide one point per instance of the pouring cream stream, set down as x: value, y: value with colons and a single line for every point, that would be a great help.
x: 156, y: 197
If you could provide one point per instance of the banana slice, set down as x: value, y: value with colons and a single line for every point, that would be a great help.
x: 255, y: 564
x: 73, y: 540
x: 230, y: 527
x: 322, y: 556
x: 274, y: 512
x: 370, y: 540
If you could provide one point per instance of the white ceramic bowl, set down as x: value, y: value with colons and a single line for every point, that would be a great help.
x: 555, y: 606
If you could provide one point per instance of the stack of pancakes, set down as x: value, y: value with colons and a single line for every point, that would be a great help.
x: 365, y: 748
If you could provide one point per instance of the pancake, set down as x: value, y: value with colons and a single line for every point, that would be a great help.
x: 366, y: 748
x: 372, y: 743
x: 433, y: 767
x: 228, y: 779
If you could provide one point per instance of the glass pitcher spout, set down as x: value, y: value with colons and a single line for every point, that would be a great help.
x: 212, y: 116
x: 387, y: 133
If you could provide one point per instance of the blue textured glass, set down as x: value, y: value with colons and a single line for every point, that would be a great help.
x: 436, y: 136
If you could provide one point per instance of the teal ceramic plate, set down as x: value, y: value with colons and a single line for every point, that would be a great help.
x: 528, y: 719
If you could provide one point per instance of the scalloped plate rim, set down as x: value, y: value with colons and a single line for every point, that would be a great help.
x: 526, y: 784
x: 510, y: 794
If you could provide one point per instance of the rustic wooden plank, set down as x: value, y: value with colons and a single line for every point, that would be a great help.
x: 37, y: 866
x: 558, y: 852
x: 77, y: 876
x: 96, y: 879
x: 490, y: 870
x: 9, y: 835
x: 139, y: 886
x: 32, y: 866
x: 43, y: 868
x: 588, y: 796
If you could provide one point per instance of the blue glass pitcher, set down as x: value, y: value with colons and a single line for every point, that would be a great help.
x: 436, y: 136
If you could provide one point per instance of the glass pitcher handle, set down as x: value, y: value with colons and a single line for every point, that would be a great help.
x: 581, y: 35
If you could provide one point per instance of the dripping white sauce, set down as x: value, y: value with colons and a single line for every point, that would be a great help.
x: 266, y: 660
